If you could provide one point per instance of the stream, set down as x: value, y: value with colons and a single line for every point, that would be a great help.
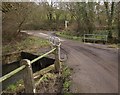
x: 36, y: 66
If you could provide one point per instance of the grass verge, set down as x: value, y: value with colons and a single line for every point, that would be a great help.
x: 50, y: 82
x: 68, y: 36
x: 15, y: 88
x: 113, y: 46
x: 29, y: 43
x: 66, y: 74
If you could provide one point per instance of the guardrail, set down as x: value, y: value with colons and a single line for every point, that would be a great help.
x: 26, y: 65
x: 95, y: 37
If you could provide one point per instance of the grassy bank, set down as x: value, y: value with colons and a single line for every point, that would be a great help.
x: 61, y: 34
x: 66, y: 73
x: 50, y: 82
x: 113, y: 46
x: 98, y: 36
x: 29, y: 43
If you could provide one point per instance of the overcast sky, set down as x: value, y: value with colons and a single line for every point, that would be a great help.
x: 57, y: 0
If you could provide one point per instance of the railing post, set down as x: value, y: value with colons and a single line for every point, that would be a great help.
x: 28, y: 77
x: 57, y: 58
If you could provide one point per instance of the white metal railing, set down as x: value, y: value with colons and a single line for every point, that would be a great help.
x: 95, y: 37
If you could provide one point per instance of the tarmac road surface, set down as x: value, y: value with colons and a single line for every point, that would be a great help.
x: 95, y: 67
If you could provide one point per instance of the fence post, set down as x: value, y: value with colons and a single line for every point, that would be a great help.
x: 57, y: 58
x: 28, y: 77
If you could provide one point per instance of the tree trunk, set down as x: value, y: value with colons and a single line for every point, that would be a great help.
x: 110, y: 17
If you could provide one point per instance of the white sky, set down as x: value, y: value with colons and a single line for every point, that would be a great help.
x: 49, y: 1
x: 57, y: 0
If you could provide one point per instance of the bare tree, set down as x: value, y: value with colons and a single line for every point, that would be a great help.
x: 15, y: 15
x: 118, y: 19
x: 109, y: 12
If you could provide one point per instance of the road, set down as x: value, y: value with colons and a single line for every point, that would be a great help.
x: 95, y: 67
x: 95, y: 70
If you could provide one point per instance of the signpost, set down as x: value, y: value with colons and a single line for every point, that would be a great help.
x: 66, y: 24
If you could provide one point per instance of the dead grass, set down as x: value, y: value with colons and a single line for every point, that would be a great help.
x: 50, y: 82
x: 113, y: 46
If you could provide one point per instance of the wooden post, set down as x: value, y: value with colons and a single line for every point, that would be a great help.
x: 28, y: 77
x: 66, y: 24
x: 57, y: 58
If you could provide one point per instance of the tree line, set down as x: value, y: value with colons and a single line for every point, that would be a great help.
x: 83, y: 17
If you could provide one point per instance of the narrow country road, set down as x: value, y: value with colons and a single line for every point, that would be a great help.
x: 95, y: 67
x: 95, y: 70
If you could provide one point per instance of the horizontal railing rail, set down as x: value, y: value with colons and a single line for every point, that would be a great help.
x: 11, y: 73
x: 95, y: 37
x: 34, y: 60
x: 28, y: 77
x: 22, y: 67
